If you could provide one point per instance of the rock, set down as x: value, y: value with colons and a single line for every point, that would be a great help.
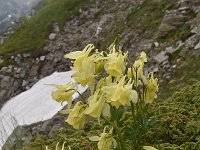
x: 174, y: 66
x: 196, y: 30
x: 1, y: 60
x: 4, y: 69
x: 42, y: 58
x: 175, y: 20
x: 24, y: 83
x: 172, y: 20
x: 25, y: 55
x: 52, y: 36
x: 99, y: 29
x: 2, y: 94
x: 34, y: 70
x: 169, y: 50
x: 145, y: 44
x: 6, y: 82
x: 161, y: 57
x: 155, y: 69
x: 197, y: 46
x: 191, y: 41
x: 23, y: 73
x: 156, y: 44
x: 164, y: 28
x: 56, y: 27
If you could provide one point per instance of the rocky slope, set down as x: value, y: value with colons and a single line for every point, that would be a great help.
x: 169, y: 31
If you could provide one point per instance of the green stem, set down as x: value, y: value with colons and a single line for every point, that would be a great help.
x: 133, y: 112
x: 120, y: 137
x: 77, y: 92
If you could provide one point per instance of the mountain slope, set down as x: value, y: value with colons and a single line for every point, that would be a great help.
x: 32, y: 34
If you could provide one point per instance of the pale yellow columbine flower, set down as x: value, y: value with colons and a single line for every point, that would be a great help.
x: 76, y: 116
x: 143, y: 56
x: 99, y: 61
x: 151, y: 89
x: 86, y: 75
x: 149, y: 148
x: 115, y: 63
x: 120, y: 94
x: 105, y: 141
x: 96, y: 105
x: 80, y: 54
x: 57, y: 147
x: 137, y: 69
x: 86, y: 66
x: 64, y: 92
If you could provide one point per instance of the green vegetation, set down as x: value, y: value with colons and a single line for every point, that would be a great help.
x: 176, y: 126
x: 149, y: 15
x: 32, y: 34
x: 145, y: 17
x: 178, y: 120
x: 187, y: 72
x: 77, y: 139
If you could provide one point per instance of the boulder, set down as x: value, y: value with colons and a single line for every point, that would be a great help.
x: 52, y: 36
x: 161, y: 57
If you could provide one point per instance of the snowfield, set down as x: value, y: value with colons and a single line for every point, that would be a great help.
x: 33, y: 105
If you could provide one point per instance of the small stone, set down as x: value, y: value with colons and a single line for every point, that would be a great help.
x: 174, y: 66
x: 197, y: 46
x: 3, y: 94
x: 26, y: 55
x: 155, y: 69
x: 191, y: 41
x: 168, y: 77
x: 56, y: 27
x: 169, y: 50
x: 24, y: 83
x: 161, y: 57
x: 52, y: 36
x: 156, y: 44
x: 183, y: 8
x: 4, y: 69
x: 196, y: 30
x: 6, y: 82
x: 42, y: 58
x: 1, y: 60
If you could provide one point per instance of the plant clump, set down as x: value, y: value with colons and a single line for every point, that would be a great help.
x: 121, y: 95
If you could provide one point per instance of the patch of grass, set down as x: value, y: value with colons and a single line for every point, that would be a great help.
x: 149, y: 15
x: 186, y: 74
x: 32, y: 34
x: 176, y: 126
x: 76, y: 139
x: 182, y: 33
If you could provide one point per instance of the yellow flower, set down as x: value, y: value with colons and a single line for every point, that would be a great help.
x: 64, y: 92
x: 85, y: 75
x: 137, y: 69
x: 96, y: 105
x: 76, y: 116
x: 99, y: 62
x: 85, y: 66
x: 143, y: 56
x: 115, y: 64
x: 105, y: 141
x: 149, y: 148
x: 80, y: 54
x: 120, y: 93
x: 151, y: 89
